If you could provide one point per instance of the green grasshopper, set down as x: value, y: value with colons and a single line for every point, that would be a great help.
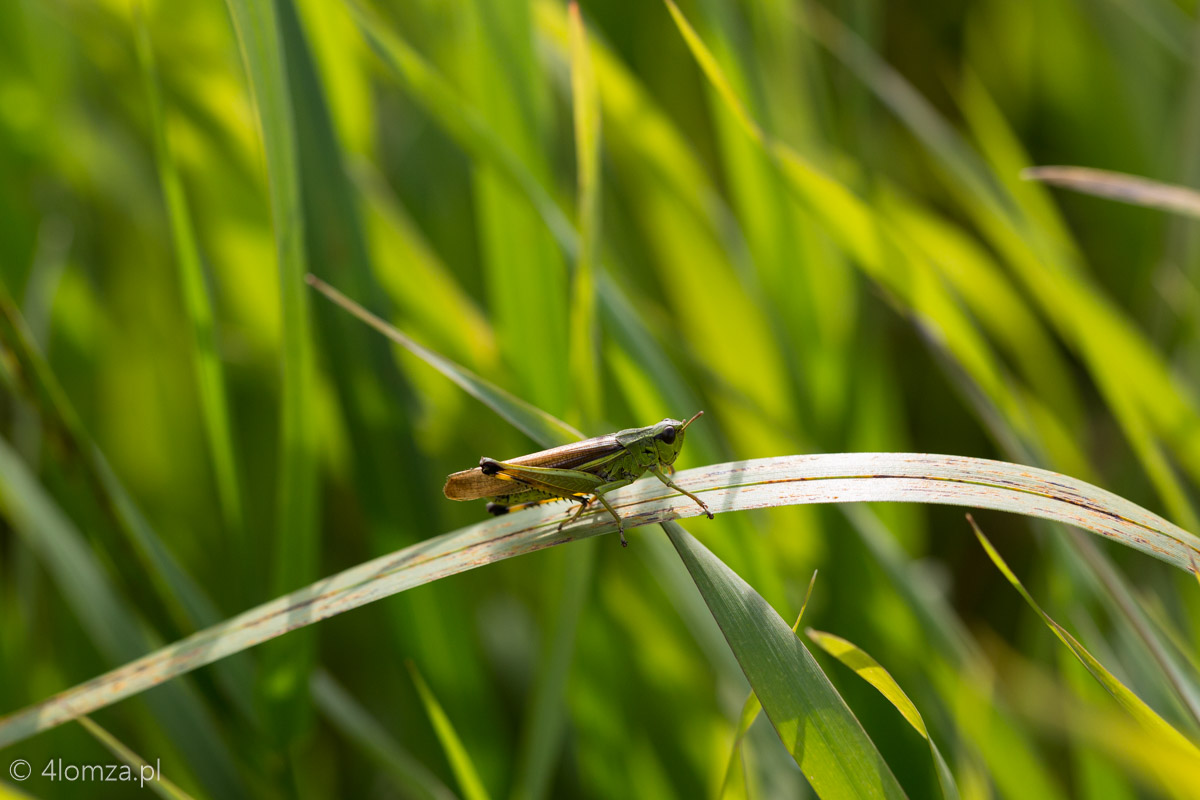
x: 584, y: 472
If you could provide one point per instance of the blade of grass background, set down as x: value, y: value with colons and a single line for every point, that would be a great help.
x: 1007, y: 158
x: 159, y: 785
x: 830, y: 746
x: 1129, y: 372
x: 735, y: 768
x: 584, y: 364
x: 172, y: 588
x: 546, y: 715
x: 45, y: 274
x: 538, y: 425
x: 210, y: 376
x: 1159, y: 761
x: 956, y: 666
x: 1119, y: 186
x: 113, y: 626
x: 737, y: 486
x: 523, y: 268
x: 464, y: 124
x: 286, y: 666
x: 356, y: 724
x: 963, y: 167
x: 801, y: 282
x: 421, y: 286
x: 380, y: 409
x: 1126, y: 698
x: 852, y: 223
x: 460, y: 759
x: 870, y: 671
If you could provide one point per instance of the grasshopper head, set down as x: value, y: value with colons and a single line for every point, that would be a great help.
x: 668, y: 438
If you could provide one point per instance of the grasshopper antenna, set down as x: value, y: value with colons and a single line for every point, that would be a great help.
x: 695, y: 417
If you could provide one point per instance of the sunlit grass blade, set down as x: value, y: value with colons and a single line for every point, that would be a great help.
x: 585, y: 366
x: 150, y: 774
x: 870, y: 671
x: 1151, y: 407
x: 460, y: 760
x: 1160, y: 759
x: 1121, y: 187
x: 538, y: 425
x: 871, y: 241
x: 714, y: 73
x: 735, y: 769
x: 736, y: 486
x: 210, y: 376
x: 816, y: 726
x: 1136, y: 707
x: 111, y: 624
x: 357, y: 725
x: 1119, y: 594
x: 284, y: 676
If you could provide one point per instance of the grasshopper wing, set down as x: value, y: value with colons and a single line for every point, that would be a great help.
x: 472, y: 484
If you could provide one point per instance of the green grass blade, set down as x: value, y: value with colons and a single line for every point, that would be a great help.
x: 735, y: 768
x: 284, y: 678
x: 186, y: 603
x: 712, y: 70
x: 150, y: 774
x: 462, y: 122
x: 584, y: 361
x: 460, y: 759
x: 357, y: 725
x: 736, y: 486
x: 522, y: 266
x: 815, y: 724
x: 870, y: 671
x: 1136, y: 707
x: 543, y: 428
x: 210, y: 376
x: 1118, y: 186
x: 113, y: 626
x: 425, y: 292
x: 543, y: 737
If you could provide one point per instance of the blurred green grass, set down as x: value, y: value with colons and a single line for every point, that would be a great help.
x: 869, y: 274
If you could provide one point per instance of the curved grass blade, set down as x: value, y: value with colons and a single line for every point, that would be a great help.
x: 815, y: 724
x: 1121, y: 187
x: 734, y: 486
x: 158, y: 784
x: 870, y: 671
x: 460, y: 760
x: 543, y: 428
x: 284, y: 677
x: 210, y: 377
x: 1136, y: 707
x: 356, y: 724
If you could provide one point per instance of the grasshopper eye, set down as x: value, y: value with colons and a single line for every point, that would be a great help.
x: 667, y: 435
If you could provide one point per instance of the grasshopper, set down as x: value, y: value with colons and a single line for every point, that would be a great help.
x: 584, y: 472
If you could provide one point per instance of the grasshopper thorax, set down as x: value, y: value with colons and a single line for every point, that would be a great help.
x: 659, y: 443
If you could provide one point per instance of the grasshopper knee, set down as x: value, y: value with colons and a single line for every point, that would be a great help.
x: 496, y: 509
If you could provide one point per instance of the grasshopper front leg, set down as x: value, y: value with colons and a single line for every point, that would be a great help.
x: 658, y: 474
x: 599, y: 492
